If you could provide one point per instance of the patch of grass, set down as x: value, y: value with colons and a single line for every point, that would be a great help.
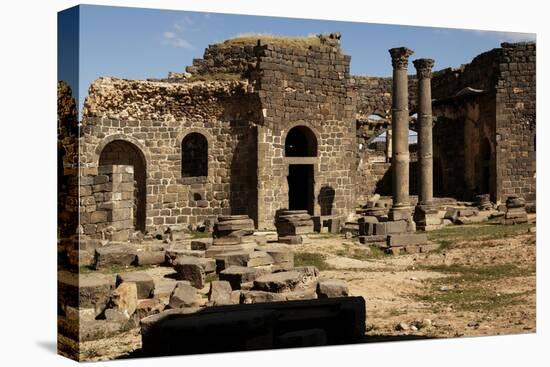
x: 357, y: 253
x: 473, y: 299
x: 476, y: 232
x: 252, y: 39
x: 480, y: 273
x: 198, y: 234
x: 211, y: 277
x: 470, y: 292
x: 311, y: 259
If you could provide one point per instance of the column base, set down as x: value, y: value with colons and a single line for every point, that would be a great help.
x: 400, y: 213
x: 427, y: 217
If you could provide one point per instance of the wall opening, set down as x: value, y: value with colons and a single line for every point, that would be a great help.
x: 300, y: 187
x: 194, y: 155
x: 120, y: 152
x: 485, y: 185
x: 300, y: 142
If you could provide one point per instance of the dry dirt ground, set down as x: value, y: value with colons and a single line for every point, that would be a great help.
x: 481, y: 281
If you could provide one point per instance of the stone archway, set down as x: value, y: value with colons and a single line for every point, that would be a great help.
x: 121, y: 152
x: 301, y: 151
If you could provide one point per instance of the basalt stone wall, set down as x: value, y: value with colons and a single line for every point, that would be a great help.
x: 307, y: 87
x: 67, y: 161
x: 516, y: 121
x: 108, y: 203
x: 375, y: 95
x: 494, y: 99
x: 151, y: 119
x: 224, y: 58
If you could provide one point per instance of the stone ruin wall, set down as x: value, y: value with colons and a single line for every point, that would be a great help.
x: 502, y: 114
x: 516, y: 122
x: 154, y: 117
x: 67, y: 161
x: 307, y: 87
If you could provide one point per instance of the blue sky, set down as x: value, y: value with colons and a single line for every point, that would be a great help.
x: 135, y: 43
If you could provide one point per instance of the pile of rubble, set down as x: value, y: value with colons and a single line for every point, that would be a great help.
x: 515, y: 211
x: 234, y: 267
x: 293, y: 226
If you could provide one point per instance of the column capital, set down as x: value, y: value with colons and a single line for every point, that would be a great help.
x: 400, y: 57
x: 423, y: 68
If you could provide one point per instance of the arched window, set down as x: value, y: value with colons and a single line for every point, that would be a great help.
x: 194, y: 155
x: 300, y: 142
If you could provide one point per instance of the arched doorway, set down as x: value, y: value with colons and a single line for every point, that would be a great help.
x: 301, y: 142
x: 194, y: 156
x: 121, y: 152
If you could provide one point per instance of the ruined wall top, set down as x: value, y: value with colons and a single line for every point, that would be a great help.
x: 161, y: 101
x: 232, y: 58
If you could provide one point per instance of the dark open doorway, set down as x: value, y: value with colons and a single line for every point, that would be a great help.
x: 300, y: 187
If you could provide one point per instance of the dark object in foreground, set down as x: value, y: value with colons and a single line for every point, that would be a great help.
x: 287, y: 324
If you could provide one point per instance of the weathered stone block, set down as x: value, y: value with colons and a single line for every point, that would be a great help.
x: 220, y: 293
x: 114, y: 255
x: 278, y: 282
x: 144, y: 282
x: 190, y: 268
x: 150, y: 258
x: 398, y: 240
x: 236, y: 275
x: 184, y: 295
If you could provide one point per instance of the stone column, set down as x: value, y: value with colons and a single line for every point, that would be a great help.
x: 425, y: 151
x: 400, y: 132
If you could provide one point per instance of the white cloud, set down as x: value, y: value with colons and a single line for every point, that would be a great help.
x: 178, y: 42
x: 169, y: 35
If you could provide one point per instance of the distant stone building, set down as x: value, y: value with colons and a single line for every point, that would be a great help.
x: 260, y: 125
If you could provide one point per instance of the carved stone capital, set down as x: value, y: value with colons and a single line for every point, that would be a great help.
x: 423, y: 68
x: 400, y: 57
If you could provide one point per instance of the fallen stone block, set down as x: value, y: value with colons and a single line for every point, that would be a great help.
x: 91, y: 291
x: 397, y: 240
x: 399, y: 226
x: 282, y: 258
x: 144, y: 258
x: 114, y: 255
x: 174, y: 252
x: 332, y: 288
x: 148, y: 307
x: 378, y: 240
x: 184, y: 295
x: 191, y: 269
x: 253, y: 326
x: 255, y: 296
x: 144, y: 283
x: 295, y: 240
x: 220, y: 249
x: 247, y: 259
x: 278, y: 282
x: 98, y: 329
x: 201, y: 244
x: 165, y: 287
x: 124, y: 298
x: 236, y: 275
x: 471, y: 219
x: 220, y: 293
